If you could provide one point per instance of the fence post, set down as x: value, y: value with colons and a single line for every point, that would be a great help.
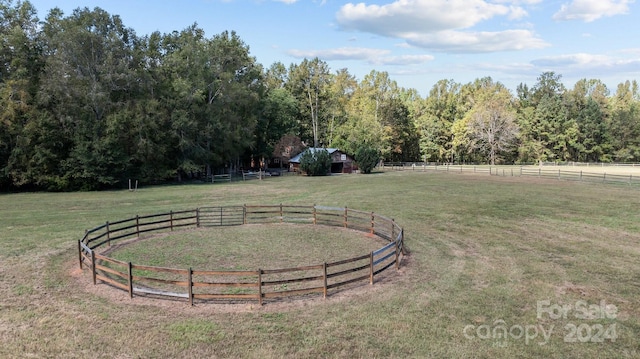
x: 558, y: 174
x: 397, y: 241
x: 171, y: 220
x: 404, y: 252
x: 221, y: 216
x: 580, y: 176
x: 324, y: 273
x: 281, y: 213
x: 80, y: 254
x: 137, y: 226
x: 604, y: 177
x: 373, y: 223
x: 197, y: 217
x: 260, y: 286
x: 315, y: 218
x: 393, y: 229
x: 371, y: 268
x: 190, y: 280
x: 93, y: 266
x: 130, y: 272
x: 346, y: 218
x: 244, y: 214
x: 108, y: 234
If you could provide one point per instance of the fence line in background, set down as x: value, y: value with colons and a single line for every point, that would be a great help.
x: 519, y: 171
x: 232, y: 286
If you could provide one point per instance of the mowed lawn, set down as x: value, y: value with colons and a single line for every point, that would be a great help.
x: 554, y: 263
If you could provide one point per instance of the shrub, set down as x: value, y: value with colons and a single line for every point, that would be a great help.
x: 316, y: 162
x: 367, y: 158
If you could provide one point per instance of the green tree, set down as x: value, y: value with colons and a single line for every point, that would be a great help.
x: 367, y: 158
x: 488, y: 129
x: 588, y: 105
x: 213, y: 98
x: 360, y: 125
x: 624, y: 124
x: 316, y: 162
x: 341, y: 90
x: 549, y: 85
x: 87, y: 78
x: 309, y: 82
x: 276, y: 76
x: 435, y: 123
x: 20, y: 70
x: 401, y: 138
x: 492, y: 129
x: 143, y: 121
x: 279, y: 109
x: 380, y: 89
x: 548, y: 133
x: 376, y: 116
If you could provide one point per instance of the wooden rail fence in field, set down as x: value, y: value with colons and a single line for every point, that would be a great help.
x: 240, y: 285
x: 555, y: 173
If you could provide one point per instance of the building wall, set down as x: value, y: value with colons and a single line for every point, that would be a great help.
x: 342, y: 162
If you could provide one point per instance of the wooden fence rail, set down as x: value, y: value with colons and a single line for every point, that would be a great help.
x: 518, y: 171
x: 231, y: 286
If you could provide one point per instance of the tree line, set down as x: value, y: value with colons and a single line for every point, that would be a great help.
x: 86, y: 103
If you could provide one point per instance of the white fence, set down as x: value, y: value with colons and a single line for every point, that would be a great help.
x: 560, y: 172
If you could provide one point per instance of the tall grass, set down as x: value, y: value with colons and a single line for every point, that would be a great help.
x: 484, y: 252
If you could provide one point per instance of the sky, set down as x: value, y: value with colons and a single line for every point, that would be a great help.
x: 417, y: 42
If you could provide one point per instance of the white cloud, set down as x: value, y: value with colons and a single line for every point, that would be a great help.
x: 510, y: 68
x: 404, y: 16
x: 631, y: 51
x: 590, y: 10
x: 442, y: 25
x: 477, y: 42
x: 402, y: 60
x: 342, y: 53
x: 517, y: 12
x: 580, y: 59
x: 611, y: 68
x: 588, y: 63
x: 518, y: 2
x: 288, y: 2
x: 372, y: 56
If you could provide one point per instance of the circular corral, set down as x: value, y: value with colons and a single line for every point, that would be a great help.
x: 224, y: 282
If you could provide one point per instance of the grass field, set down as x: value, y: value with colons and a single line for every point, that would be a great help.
x: 267, y: 246
x: 530, y: 255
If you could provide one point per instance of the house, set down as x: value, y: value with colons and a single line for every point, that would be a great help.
x: 341, y: 162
